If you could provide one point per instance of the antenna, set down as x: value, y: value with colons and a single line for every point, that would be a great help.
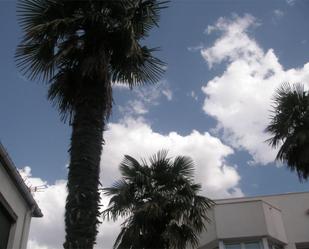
x: 35, y: 189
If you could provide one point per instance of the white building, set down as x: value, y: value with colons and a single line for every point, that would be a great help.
x: 17, y: 206
x: 263, y: 222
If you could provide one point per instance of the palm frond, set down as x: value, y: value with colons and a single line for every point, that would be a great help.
x: 289, y: 128
x: 180, y: 236
x: 291, y: 103
x: 64, y: 91
x: 183, y: 166
x: 137, y: 68
x: 146, y: 15
x: 45, y: 23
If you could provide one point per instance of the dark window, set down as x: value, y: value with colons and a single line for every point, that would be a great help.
x: 242, y: 245
x: 303, y: 245
x: 6, y: 222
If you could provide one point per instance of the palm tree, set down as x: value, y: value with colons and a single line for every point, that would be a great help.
x: 160, y: 204
x: 290, y: 128
x: 80, y: 48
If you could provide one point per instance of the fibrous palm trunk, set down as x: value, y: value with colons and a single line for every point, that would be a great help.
x: 82, y: 206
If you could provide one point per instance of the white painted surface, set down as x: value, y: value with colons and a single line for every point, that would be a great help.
x: 246, y: 220
x: 274, y: 223
x: 20, y: 230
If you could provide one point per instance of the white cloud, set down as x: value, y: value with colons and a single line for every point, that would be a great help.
x: 33, y: 244
x: 195, y: 48
x: 146, y: 97
x: 194, y: 95
x: 291, y: 2
x: 134, y: 107
x: 151, y: 94
x: 233, y: 41
x: 168, y: 94
x: 240, y: 99
x: 138, y: 139
x: 278, y: 14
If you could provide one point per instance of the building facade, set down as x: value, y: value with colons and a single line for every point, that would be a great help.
x: 264, y: 222
x: 17, y: 205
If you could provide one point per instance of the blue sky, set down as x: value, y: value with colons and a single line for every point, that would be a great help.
x: 224, y: 61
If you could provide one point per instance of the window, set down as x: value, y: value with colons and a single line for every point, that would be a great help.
x: 247, y: 245
x: 233, y: 246
x: 253, y: 245
x: 6, y: 222
x: 304, y: 245
x: 275, y: 246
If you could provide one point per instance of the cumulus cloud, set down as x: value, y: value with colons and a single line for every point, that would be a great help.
x: 240, y: 99
x: 33, y: 244
x: 230, y: 46
x: 134, y: 137
x: 47, y: 232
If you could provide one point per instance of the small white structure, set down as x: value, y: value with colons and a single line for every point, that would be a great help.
x: 262, y: 222
x: 17, y: 205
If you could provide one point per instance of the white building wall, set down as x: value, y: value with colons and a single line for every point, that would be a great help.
x: 20, y: 230
x: 285, y: 218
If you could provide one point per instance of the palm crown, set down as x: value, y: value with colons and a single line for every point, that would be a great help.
x: 67, y: 40
x: 160, y: 203
x: 290, y: 128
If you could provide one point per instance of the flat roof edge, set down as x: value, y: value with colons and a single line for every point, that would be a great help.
x: 259, y: 196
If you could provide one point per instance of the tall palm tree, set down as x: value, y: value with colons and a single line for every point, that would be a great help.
x: 80, y: 48
x: 290, y: 128
x: 160, y: 202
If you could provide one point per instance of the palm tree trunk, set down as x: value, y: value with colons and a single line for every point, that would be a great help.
x: 82, y: 205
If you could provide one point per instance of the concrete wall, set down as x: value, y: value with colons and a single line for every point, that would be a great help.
x: 245, y: 218
x: 20, y: 230
x: 274, y: 222
x: 294, y: 208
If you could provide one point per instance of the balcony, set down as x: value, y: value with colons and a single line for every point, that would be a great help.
x: 247, y: 219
